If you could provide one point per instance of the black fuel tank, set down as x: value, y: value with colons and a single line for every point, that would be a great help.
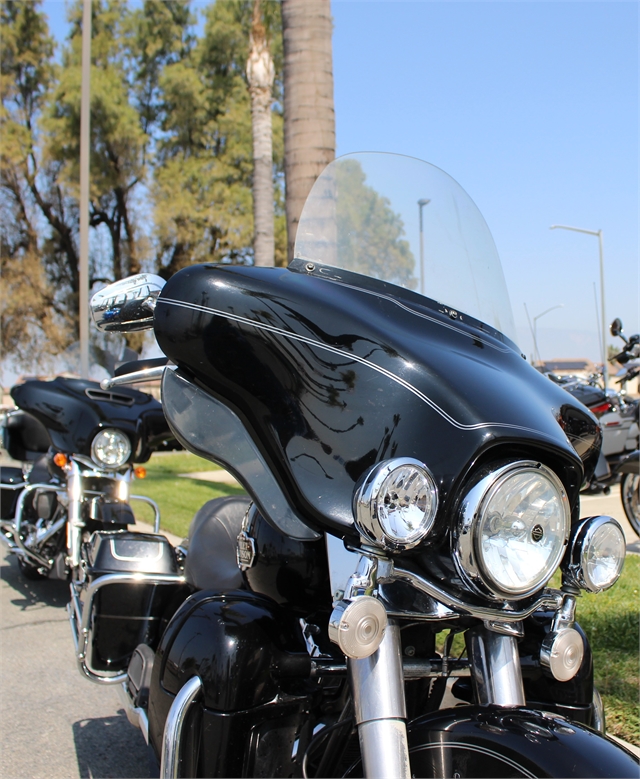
x: 331, y: 372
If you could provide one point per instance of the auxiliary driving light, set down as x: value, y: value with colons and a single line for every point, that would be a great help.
x: 396, y: 504
x: 357, y: 627
x: 596, y: 553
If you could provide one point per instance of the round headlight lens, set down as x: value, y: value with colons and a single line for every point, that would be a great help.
x: 602, y: 556
x: 515, y: 529
x: 111, y: 448
x: 397, y: 503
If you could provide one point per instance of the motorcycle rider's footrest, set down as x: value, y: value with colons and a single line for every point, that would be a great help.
x: 139, y: 675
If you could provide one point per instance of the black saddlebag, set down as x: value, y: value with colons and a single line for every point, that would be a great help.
x: 11, y: 481
x: 133, y: 588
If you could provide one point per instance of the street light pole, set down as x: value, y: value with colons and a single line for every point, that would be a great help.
x: 605, y: 372
x: 421, y: 204
x: 85, y: 118
x: 535, y: 328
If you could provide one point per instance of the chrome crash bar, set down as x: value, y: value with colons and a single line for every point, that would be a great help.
x: 81, y: 618
x: 15, y: 543
x: 154, y: 506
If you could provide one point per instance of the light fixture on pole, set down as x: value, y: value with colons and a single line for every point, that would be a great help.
x: 535, y: 328
x: 605, y: 372
x: 85, y: 118
x: 421, y: 204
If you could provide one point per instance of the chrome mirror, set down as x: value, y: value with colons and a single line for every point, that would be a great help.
x: 616, y: 327
x: 127, y: 305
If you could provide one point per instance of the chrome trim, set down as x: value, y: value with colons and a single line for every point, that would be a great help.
x: 75, y: 522
x: 81, y: 617
x: 505, y: 613
x: 154, y: 506
x: 411, y: 668
x: 20, y: 548
x: 599, y: 721
x: 495, y: 668
x: 136, y: 716
x: 52, y: 530
x: 377, y: 685
x: 466, y: 556
x: 365, y: 504
x: 135, y: 377
x: 171, y: 751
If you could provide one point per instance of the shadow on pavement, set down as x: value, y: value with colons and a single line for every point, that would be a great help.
x: 110, y: 747
x: 45, y: 592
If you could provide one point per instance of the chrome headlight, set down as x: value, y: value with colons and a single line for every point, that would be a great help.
x: 513, y: 529
x: 111, y: 448
x: 396, y: 505
x: 596, y: 554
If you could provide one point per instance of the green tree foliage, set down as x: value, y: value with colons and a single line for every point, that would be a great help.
x: 38, y: 259
x: 370, y: 234
x: 202, y: 186
x: 171, y: 153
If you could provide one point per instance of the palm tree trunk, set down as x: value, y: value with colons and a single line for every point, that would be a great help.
x: 260, y: 74
x: 309, y: 116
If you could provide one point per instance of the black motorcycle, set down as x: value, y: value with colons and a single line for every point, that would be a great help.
x: 409, y: 476
x: 619, y: 418
x: 78, y: 444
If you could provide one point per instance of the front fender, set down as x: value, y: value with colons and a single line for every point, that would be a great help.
x: 492, y: 741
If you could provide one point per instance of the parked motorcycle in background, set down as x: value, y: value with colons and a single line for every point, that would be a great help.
x: 408, y: 474
x: 78, y: 445
x: 619, y: 417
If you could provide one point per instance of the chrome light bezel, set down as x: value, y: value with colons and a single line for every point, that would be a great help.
x: 466, y: 556
x: 365, y: 505
x: 573, y: 565
x: 94, y: 445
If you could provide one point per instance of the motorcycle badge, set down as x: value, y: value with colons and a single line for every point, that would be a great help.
x: 246, y: 549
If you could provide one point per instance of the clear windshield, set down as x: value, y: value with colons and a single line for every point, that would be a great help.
x: 404, y: 221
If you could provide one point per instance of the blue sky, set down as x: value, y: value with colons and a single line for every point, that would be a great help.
x: 533, y: 108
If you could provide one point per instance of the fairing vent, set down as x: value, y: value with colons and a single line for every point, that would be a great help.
x: 110, y: 397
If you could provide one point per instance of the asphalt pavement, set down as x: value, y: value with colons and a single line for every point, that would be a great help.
x: 54, y: 723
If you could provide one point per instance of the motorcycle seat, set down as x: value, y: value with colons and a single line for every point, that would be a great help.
x: 211, y: 562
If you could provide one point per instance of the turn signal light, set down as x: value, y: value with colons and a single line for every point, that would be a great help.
x: 60, y: 459
x: 358, y: 627
x: 140, y: 472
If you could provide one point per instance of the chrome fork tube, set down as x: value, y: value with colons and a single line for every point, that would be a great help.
x: 75, y: 525
x: 495, y: 668
x: 377, y: 684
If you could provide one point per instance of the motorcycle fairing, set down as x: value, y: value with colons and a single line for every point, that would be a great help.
x: 490, y: 741
x: 73, y: 410
x: 205, y: 425
x: 331, y: 374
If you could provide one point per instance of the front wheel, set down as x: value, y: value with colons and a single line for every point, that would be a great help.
x: 630, y: 494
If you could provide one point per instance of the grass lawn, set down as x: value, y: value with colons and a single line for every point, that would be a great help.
x: 610, y: 619
x: 177, y: 497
